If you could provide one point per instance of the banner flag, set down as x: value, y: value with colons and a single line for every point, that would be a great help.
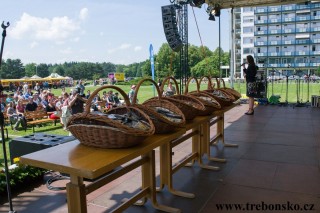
x: 151, y: 61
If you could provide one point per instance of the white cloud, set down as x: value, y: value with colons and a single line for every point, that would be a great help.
x: 34, y: 44
x: 56, y: 29
x: 125, y: 46
x: 101, y: 33
x: 8, y: 54
x: 137, y: 48
x: 121, y: 47
x: 76, y: 39
x: 83, y: 14
x: 66, y: 51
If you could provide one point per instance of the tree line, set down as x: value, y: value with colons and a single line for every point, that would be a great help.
x: 202, y: 61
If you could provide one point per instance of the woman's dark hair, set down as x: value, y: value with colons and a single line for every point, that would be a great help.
x: 250, y: 60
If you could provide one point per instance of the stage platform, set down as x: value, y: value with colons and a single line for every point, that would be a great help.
x: 276, y: 162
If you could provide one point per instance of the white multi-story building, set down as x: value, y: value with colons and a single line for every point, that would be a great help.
x: 282, y: 37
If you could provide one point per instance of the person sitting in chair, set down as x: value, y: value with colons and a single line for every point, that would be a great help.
x: 171, y: 90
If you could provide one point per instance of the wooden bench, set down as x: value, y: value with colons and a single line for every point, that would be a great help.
x: 37, y: 117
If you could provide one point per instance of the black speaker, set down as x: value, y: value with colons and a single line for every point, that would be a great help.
x: 31, y: 143
x: 170, y: 27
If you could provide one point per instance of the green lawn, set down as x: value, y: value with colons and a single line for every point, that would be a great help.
x: 279, y: 88
x: 146, y: 92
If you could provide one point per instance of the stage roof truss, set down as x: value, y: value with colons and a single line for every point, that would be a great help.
x: 224, y: 4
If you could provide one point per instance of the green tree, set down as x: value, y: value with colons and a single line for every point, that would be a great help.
x: 167, y: 62
x: 318, y: 71
x: 146, y: 68
x: 211, y: 65
x: 43, y: 70
x: 12, y: 68
x: 30, y: 69
x: 108, y: 68
x: 59, y: 69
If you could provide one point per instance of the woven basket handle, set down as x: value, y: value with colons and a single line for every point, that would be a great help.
x: 134, y: 100
x: 210, y: 86
x: 88, y: 103
x: 168, y: 79
x: 219, y: 82
x: 188, y: 82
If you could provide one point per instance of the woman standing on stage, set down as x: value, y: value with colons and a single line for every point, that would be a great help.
x: 250, y: 75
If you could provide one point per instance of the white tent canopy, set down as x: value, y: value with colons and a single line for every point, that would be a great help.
x: 35, y: 77
x: 54, y: 75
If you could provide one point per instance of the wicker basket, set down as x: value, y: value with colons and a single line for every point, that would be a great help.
x: 231, y: 91
x: 100, y: 131
x: 190, y: 106
x: 161, y: 123
x: 208, y: 101
x: 224, y: 98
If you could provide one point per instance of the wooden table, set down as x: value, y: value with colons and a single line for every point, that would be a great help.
x: 81, y: 161
x: 199, y: 130
x: 217, y: 118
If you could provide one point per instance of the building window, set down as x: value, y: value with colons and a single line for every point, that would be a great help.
x: 313, y: 48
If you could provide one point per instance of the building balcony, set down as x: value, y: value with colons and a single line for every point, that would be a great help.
x: 302, y: 41
x: 237, y: 10
x: 315, y: 41
x: 238, y: 31
x: 302, y: 18
x: 315, y: 5
x: 298, y: 53
x: 274, y: 20
x: 315, y: 64
x: 302, y: 30
x: 315, y: 17
x: 260, y: 43
x: 261, y: 32
x: 288, y: 42
x: 314, y: 29
x: 302, y: 7
x: 288, y: 7
x: 314, y: 52
x: 302, y: 64
x: 274, y: 54
x: 288, y: 31
x: 260, y: 22
x: 261, y: 10
x: 274, y: 9
x: 275, y: 31
x: 275, y: 42
x: 261, y: 54
x: 287, y: 53
x: 288, y: 19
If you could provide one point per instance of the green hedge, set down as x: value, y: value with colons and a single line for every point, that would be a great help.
x: 19, y: 176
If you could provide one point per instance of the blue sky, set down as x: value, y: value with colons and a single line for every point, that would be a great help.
x: 97, y: 30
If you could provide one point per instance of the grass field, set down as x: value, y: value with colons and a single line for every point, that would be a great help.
x: 146, y: 92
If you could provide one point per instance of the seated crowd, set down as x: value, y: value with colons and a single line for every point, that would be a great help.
x: 62, y: 107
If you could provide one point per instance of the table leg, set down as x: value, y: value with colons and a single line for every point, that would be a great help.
x: 205, y: 143
x: 198, y: 145
x: 166, y: 172
x: 149, y: 181
x: 76, y: 195
x: 220, y: 128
